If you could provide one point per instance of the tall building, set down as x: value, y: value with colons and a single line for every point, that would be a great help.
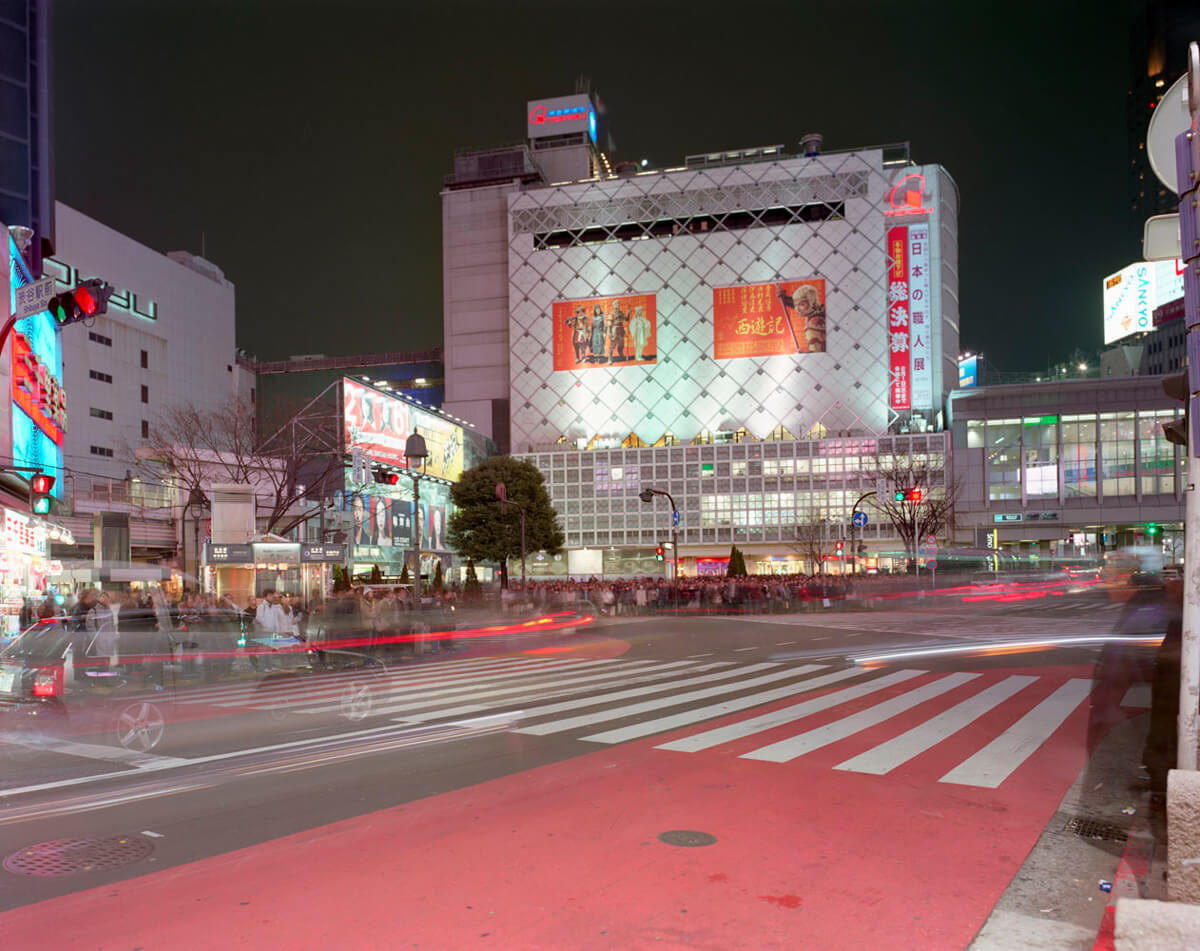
x: 749, y: 331
x: 1159, y: 38
x: 26, y: 136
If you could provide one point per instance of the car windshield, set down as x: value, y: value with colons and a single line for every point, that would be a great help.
x: 45, y: 641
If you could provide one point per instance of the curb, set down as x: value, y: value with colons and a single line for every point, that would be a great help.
x: 1130, y: 880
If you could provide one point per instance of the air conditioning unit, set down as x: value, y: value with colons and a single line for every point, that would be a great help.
x: 232, y: 513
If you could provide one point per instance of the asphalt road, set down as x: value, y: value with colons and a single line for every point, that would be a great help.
x: 657, y: 693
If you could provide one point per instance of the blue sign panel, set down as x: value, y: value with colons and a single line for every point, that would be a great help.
x: 968, y: 373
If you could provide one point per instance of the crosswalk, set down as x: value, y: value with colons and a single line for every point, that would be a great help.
x: 993, y: 721
x: 1012, y: 625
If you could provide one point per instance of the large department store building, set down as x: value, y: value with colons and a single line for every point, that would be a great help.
x: 751, y: 331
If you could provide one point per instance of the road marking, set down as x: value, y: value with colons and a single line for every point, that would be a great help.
x: 579, y: 702
x: 996, y: 762
x: 153, y: 835
x: 825, y: 638
x: 110, y: 754
x: 618, y: 713
x: 1138, y: 695
x: 387, y: 694
x: 738, y: 650
x: 787, y: 750
x: 887, y: 756
x: 709, y: 654
x: 663, y: 724
x: 784, y: 643
x: 533, y: 692
x: 768, y: 721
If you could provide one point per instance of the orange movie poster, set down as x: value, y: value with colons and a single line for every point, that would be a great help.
x: 762, y: 320
x: 605, y: 332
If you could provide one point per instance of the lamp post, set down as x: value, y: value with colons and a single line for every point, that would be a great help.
x: 414, y: 452
x: 502, y: 495
x: 647, y: 495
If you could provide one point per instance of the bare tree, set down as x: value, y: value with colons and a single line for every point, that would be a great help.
x: 813, y: 540
x: 915, y: 520
x: 193, y: 448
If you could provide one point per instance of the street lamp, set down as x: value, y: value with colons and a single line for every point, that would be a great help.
x: 647, y: 495
x: 502, y: 495
x: 414, y: 453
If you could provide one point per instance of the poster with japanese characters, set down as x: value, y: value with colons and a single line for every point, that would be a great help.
x: 605, y: 332
x: 762, y: 320
x: 920, y: 323
x: 898, y: 326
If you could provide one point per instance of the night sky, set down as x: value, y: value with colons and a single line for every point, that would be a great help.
x: 308, y: 141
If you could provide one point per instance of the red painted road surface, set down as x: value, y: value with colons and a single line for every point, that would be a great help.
x: 566, y: 856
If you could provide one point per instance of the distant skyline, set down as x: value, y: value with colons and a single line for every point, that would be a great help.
x: 307, y: 142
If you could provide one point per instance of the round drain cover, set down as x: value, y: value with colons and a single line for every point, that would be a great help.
x: 60, y: 857
x: 687, y: 838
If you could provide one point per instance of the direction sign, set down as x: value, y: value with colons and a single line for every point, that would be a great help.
x: 34, y: 298
x: 676, y: 518
x: 859, y: 519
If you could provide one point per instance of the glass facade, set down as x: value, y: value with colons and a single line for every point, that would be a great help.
x: 1098, y: 456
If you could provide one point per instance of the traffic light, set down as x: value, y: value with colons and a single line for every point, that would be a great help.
x: 908, y: 495
x: 1176, y: 386
x: 40, y: 499
x: 87, y: 300
x: 1152, y: 529
x: 660, y: 554
x: 838, y: 546
x: 385, y: 477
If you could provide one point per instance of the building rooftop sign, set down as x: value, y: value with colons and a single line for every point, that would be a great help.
x: 560, y: 116
x: 1132, y: 294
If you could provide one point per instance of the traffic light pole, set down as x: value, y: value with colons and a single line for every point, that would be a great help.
x: 1187, y: 154
x: 647, y: 495
x: 853, y: 545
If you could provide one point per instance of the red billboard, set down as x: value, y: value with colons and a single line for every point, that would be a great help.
x: 900, y: 375
x: 763, y: 320
x: 605, y: 332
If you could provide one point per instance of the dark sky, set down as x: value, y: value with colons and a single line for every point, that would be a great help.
x: 308, y: 141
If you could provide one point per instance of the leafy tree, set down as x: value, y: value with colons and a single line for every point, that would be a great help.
x: 376, y: 575
x: 404, y: 574
x: 482, y: 530
x: 439, y: 581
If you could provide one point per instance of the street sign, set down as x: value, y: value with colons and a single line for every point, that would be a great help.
x: 34, y: 298
x: 860, y: 519
x: 1170, y: 117
x: 676, y: 518
x: 932, y: 540
x: 932, y: 564
x: 358, y: 465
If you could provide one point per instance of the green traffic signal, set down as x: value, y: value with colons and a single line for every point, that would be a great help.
x: 1152, y: 529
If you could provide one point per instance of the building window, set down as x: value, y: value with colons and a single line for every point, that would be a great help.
x: 1157, y: 455
x: 102, y: 451
x: 145, y: 359
x: 145, y: 393
x: 1079, y: 456
x: 1040, y: 451
x: 99, y: 338
x: 145, y: 429
x: 101, y: 413
x: 102, y: 377
x: 1117, y: 440
x: 1004, y: 460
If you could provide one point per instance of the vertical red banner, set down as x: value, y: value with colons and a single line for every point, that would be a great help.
x: 900, y: 371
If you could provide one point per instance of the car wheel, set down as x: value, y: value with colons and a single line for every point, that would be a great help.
x: 357, y: 702
x: 141, y: 727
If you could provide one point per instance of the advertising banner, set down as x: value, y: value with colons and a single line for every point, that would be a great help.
x: 560, y: 115
x: 1132, y: 294
x: 380, y: 425
x: 763, y: 320
x: 605, y: 332
x: 920, y: 319
x: 900, y: 371
x: 968, y: 372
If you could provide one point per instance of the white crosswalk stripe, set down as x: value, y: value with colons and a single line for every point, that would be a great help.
x: 995, y: 762
x: 887, y: 756
x: 618, y: 713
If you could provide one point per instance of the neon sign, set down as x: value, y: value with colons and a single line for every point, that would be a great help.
x: 37, y: 391
x: 906, y: 197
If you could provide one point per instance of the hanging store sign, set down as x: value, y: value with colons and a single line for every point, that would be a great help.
x: 323, y: 553
x: 228, y: 554
x: 20, y: 534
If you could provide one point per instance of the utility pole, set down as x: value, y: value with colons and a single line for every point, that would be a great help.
x: 1187, y: 156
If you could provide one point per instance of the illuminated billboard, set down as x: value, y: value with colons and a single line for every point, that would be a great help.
x: 763, y: 320
x: 39, y: 409
x: 1132, y: 294
x: 899, y: 334
x: 605, y: 332
x: 560, y: 116
x: 380, y: 425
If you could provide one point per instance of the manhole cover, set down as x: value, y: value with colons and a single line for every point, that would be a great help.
x: 687, y: 838
x: 1090, y: 829
x: 60, y: 857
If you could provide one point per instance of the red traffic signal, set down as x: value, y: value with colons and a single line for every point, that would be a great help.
x: 387, y: 478
x: 88, y: 299
x: 40, y: 487
x: 838, y: 546
x: 659, y: 553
